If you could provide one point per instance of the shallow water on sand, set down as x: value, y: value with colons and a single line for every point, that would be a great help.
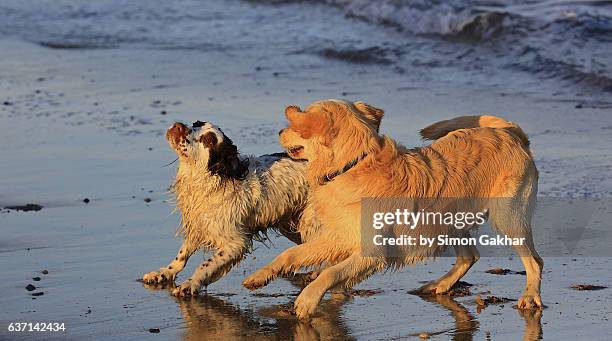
x: 89, y: 124
x: 84, y: 104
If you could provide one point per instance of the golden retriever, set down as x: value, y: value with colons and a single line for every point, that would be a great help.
x: 472, y: 157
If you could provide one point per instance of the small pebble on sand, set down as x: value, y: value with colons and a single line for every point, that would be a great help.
x: 154, y: 330
x: 30, y: 287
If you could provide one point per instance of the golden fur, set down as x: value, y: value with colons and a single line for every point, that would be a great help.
x: 472, y: 157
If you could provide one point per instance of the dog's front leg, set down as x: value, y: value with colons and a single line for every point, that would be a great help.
x: 346, y: 273
x: 210, y: 271
x: 310, y: 253
x: 168, y: 273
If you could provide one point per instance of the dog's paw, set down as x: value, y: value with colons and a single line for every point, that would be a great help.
x: 530, y: 301
x: 187, y: 288
x: 158, y: 286
x: 259, y: 279
x: 432, y: 288
x: 161, y: 276
x: 305, y: 305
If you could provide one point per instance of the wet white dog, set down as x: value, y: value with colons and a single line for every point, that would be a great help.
x: 226, y: 201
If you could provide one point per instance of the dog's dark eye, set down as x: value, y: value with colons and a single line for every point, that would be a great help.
x: 198, y: 124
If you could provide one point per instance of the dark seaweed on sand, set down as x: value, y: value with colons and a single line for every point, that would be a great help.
x: 582, y: 287
x: 24, y: 208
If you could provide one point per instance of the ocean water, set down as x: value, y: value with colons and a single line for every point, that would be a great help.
x: 570, y: 40
x: 565, y: 44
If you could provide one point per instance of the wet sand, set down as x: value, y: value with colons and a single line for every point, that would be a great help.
x: 88, y: 124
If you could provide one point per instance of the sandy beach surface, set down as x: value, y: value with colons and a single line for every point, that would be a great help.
x: 81, y: 131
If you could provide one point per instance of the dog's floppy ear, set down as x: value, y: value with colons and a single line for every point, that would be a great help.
x: 304, y: 124
x: 374, y: 114
x: 224, y: 161
x: 294, y: 114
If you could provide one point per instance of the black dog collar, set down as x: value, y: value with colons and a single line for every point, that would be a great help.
x: 329, y: 177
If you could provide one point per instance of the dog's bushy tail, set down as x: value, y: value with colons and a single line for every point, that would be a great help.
x: 440, y: 129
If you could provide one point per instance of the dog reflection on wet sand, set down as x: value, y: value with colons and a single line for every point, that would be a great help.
x: 215, y: 318
x: 466, y: 324
x: 209, y: 317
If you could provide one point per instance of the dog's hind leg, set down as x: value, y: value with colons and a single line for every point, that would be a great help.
x: 346, y: 273
x: 311, y: 253
x: 512, y: 217
x: 210, y: 271
x: 168, y: 273
x: 467, y: 255
x: 533, y: 267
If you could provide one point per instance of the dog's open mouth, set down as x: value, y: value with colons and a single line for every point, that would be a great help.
x: 295, y: 151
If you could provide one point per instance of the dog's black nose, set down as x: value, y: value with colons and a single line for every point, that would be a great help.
x: 198, y: 124
x: 280, y: 131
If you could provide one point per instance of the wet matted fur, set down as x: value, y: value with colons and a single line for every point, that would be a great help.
x: 472, y: 157
x: 227, y: 200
